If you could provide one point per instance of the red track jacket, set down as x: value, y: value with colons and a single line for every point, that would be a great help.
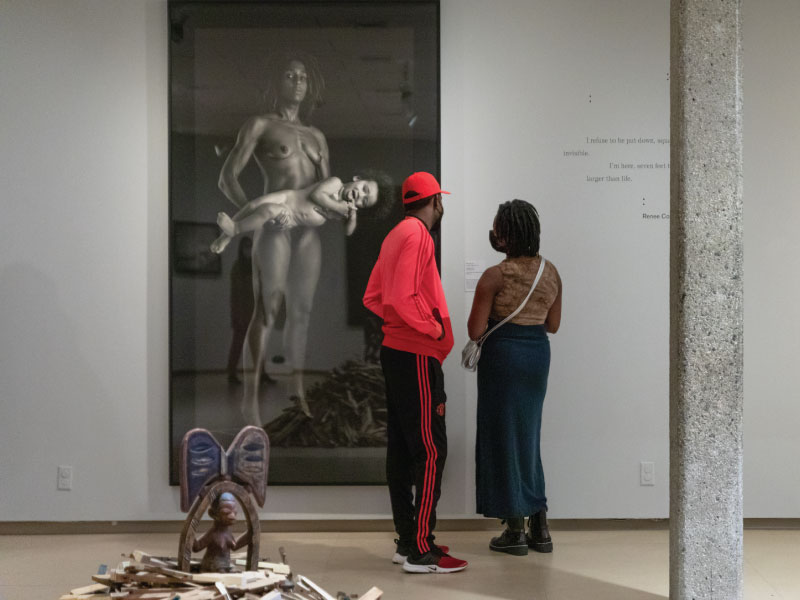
x: 405, y: 290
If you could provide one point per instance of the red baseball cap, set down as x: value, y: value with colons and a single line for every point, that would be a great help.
x: 420, y: 185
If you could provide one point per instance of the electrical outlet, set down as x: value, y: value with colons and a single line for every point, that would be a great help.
x: 647, y: 473
x: 64, y: 478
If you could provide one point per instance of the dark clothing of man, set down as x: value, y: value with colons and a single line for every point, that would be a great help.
x: 405, y: 290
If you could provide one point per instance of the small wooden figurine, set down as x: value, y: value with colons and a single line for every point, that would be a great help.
x: 219, y: 540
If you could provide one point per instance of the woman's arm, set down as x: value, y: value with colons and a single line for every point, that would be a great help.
x: 489, y: 285
x: 237, y: 159
x: 553, y: 319
x: 323, y: 164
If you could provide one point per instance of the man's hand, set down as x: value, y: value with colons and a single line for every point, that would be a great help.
x: 438, y: 316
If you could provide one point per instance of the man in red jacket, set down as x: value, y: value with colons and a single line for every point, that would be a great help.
x: 405, y: 290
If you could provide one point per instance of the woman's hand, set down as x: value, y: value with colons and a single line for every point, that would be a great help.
x: 280, y: 222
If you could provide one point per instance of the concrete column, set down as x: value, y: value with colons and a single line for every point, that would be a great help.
x: 706, y: 288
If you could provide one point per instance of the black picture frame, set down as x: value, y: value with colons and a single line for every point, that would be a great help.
x: 380, y: 111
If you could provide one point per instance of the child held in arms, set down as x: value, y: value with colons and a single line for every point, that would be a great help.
x: 311, y: 206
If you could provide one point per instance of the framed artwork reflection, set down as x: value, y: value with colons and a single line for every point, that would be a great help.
x: 192, y: 253
x: 292, y: 127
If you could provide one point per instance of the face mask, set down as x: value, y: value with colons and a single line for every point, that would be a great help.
x: 496, y: 245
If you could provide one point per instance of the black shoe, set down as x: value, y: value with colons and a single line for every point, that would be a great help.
x: 233, y: 379
x: 538, y: 536
x: 510, y: 542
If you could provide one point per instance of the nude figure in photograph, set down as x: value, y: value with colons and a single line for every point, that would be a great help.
x: 291, y: 155
x: 308, y: 207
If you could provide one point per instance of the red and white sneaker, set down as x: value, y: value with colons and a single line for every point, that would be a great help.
x: 430, y: 562
x: 402, y: 552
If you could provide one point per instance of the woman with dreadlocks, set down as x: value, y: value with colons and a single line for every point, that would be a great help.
x: 291, y: 155
x: 512, y: 379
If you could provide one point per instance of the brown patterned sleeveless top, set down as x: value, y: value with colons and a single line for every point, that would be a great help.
x: 518, y: 276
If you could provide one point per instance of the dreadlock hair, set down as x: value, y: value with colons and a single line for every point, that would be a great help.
x: 517, y: 227
x: 276, y: 66
x: 386, y: 192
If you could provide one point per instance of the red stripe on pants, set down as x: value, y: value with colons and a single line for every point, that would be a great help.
x: 426, y: 497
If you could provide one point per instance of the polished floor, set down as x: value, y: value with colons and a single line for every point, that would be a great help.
x: 596, y: 565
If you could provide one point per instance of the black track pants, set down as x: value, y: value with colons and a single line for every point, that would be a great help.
x: 417, y: 443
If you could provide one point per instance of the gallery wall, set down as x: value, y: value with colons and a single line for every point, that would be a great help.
x: 771, y: 259
x: 533, y: 93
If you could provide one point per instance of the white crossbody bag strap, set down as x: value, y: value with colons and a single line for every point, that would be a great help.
x: 520, y: 307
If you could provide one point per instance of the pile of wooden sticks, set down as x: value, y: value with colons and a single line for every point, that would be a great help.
x: 348, y: 409
x: 141, y: 576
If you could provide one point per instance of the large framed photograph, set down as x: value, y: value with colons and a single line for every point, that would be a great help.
x: 292, y: 127
x: 191, y: 249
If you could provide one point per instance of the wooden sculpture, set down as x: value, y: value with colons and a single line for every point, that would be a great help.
x: 214, y: 480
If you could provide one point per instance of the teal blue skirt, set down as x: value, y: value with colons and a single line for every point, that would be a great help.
x: 512, y: 381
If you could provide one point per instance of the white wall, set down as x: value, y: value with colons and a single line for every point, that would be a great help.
x: 83, y: 270
x: 771, y: 72
x: 522, y: 82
